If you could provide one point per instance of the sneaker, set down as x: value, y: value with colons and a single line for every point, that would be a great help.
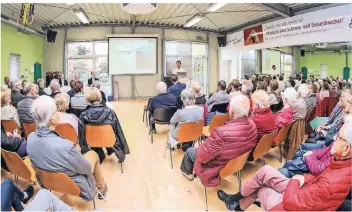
x: 189, y: 177
x: 102, y: 195
x: 29, y: 192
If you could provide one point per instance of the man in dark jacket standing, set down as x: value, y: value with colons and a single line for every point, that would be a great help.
x: 162, y: 100
x: 224, y: 144
x: 92, y: 79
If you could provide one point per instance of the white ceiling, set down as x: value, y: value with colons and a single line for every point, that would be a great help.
x: 171, y: 15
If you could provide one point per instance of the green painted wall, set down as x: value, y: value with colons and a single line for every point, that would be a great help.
x: 30, y: 47
x: 336, y: 62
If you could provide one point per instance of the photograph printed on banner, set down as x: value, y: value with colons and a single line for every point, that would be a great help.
x: 253, y: 35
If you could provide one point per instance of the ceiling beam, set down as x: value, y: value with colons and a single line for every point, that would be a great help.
x: 279, y: 9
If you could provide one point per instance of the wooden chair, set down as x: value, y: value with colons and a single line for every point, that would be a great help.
x: 10, y: 126
x: 17, y: 166
x: 281, y: 138
x: 101, y: 136
x: 264, y: 145
x: 29, y: 128
x: 65, y: 186
x: 188, y: 132
x: 217, y: 121
x: 161, y: 116
x: 67, y: 131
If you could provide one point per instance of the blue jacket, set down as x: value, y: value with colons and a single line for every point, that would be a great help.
x: 176, y: 89
x: 161, y: 101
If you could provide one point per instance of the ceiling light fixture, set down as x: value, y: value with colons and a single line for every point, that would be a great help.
x: 70, y: 3
x: 215, y: 7
x: 193, y: 21
x: 82, y: 16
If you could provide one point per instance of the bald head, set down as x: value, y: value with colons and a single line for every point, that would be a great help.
x: 196, y: 87
x: 239, y: 106
x: 161, y: 87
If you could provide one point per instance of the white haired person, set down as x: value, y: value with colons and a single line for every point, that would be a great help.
x: 99, y: 114
x: 225, y: 143
x: 300, y: 106
x: 162, y: 100
x: 97, y: 84
x: 285, y: 116
x: 24, y: 106
x: 49, y: 151
x: 55, y: 87
x: 200, y: 97
x: 324, y: 192
x: 62, y: 101
x: 16, y: 93
x: 189, y: 113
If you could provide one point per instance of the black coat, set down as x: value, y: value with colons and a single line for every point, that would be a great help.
x: 90, y: 81
x: 65, y: 82
x: 98, y: 114
x: 9, y: 143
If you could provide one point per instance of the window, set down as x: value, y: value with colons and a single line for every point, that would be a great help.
x: 286, y: 65
x: 248, y: 63
x: 88, y: 56
x: 15, y: 67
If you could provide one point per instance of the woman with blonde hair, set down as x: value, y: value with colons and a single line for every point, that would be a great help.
x: 62, y: 101
x: 8, y: 112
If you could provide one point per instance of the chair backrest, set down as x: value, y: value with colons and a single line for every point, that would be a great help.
x: 264, y: 145
x: 76, y: 111
x: 67, y: 131
x: 220, y: 107
x: 283, y: 133
x: 29, y: 128
x: 10, y: 126
x: 190, y: 131
x: 57, y: 181
x: 218, y: 120
x: 164, y: 114
x: 234, y: 165
x: 16, y: 165
x: 100, y: 135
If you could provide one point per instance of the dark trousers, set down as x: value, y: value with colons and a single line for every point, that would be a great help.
x: 11, y: 196
x: 294, y: 167
x: 101, y: 154
x: 188, y: 160
x: 21, y: 151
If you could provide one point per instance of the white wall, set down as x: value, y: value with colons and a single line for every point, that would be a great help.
x: 145, y: 84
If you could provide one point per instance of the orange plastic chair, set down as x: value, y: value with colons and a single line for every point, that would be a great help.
x: 17, y: 166
x: 29, y: 128
x: 217, y: 121
x: 67, y: 131
x: 264, y: 145
x: 281, y: 138
x: 188, y: 132
x: 10, y: 126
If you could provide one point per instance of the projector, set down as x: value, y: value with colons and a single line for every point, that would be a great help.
x: 139, y: 8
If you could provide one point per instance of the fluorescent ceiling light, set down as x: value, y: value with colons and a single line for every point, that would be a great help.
x: 82, y: 16
x: 215, y: 7
x: 193, y: 21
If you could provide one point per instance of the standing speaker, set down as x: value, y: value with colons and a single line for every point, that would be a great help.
x: 51, y: 36
x: 222, y: 41
x: 303, y: 53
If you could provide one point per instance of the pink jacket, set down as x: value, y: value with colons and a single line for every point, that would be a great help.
x: 283, y: 117
x: 319, y: 160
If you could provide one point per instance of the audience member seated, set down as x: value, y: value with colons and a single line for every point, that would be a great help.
x: 62, y: 80
x: 97, y: 84
x: 161, y: 100
x: 8, y: 112
x: 274, y: 96
x: 285, y: 116
x: 16, y: 95
x: 234, y: 85
x: 44, y: 200
x: 281, y: 83
x: 49, y: 151
x: 24, y: 84
x: 275, y: 192
x: 219, y: 97
x: 79, y: 101
x: 224, y: 144
x: 7, y: 82
x: 62, y: 103
x: 98, y: 114
x: 177, y: 87
x: 262, y: 115
x: 262, y: 86
x: 324, y: 91
x: 311, y: 99
x: 200, y: 97
x: 55, y: 87
x: 71, y: 92
x: 235, y: 89
x: 254, y: 82
x: 24, y: 106
x: 190, y: 113
x: 333, y: 93
x: 41, y: 86
x: 12, y: 196
x: 299, y: 106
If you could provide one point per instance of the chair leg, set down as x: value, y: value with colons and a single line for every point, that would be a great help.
x: 143, y: 114
x: 239, y: 180
x: 206, y: 198
x: 146, y: 118
x: 172, y: 165
x: 121, y: 168
x: 280, y: 153
x: 151, y: 136
x: 94, y: 204
x: 16, y: 179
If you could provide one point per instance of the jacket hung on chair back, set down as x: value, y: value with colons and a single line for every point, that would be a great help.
x: 98, y: 114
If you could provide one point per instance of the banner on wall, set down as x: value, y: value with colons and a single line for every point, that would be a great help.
x: 328, y: 25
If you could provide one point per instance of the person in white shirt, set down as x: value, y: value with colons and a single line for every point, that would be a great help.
x: 178, y: 70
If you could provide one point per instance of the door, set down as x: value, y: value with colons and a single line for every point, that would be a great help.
x: 15, y: 67
x: 323, y: 71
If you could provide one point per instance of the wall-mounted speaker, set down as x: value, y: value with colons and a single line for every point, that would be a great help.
x: 303, y: 53
x: 51, y: 36
x: 222, y: 41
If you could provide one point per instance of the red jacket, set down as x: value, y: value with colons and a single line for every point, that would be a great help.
x: 319, y: 160
x: 325, y: 192
x: 224, y: 144
x: 283, y: 117
x: 264, y: 120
